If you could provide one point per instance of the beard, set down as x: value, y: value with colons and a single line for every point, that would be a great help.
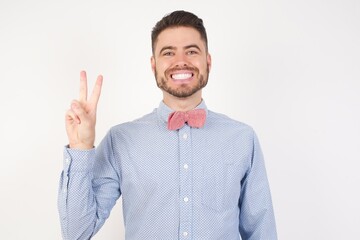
x: 183, y: 90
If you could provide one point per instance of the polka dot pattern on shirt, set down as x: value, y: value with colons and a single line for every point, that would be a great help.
x: 206, y: 183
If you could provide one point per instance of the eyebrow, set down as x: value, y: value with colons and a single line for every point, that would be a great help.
x: 192, y: 46
x: 186, y: 47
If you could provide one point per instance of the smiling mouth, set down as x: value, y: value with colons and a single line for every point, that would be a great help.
x: 181, y: 76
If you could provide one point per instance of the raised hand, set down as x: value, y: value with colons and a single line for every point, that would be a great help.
x: 80, y: 119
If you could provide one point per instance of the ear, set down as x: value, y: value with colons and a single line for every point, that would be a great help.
x: 208, y: 59
x: 153, y: 64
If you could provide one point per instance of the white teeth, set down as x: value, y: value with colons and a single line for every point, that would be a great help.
x: 181, y: 76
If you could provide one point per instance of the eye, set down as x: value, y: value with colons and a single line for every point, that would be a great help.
x: 168, y: 54
x: 192, y: 52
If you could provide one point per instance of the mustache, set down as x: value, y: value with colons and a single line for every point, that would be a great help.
x: 187, y: 68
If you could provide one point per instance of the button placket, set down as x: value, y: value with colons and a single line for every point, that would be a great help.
x: 185, y: 154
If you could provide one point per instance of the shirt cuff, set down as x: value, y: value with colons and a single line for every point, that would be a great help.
x: 78, y: 160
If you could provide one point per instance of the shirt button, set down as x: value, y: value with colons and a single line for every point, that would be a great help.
x: 64, y: 190
x: 186, y: 166
x: 186, y: 199
x: 185, y: 234
x: 67, y: 160
x: 185, y: 136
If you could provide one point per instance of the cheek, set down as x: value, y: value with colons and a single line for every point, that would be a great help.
x: 201, y: 64
x: 162, y: 68
x: 157, y: 65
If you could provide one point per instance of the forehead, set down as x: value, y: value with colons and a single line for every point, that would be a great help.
x: 179, y: 37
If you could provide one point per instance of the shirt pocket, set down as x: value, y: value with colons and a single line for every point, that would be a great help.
x: 221, y: 182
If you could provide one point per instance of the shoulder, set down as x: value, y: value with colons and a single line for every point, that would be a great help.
x: 136, y: 125
x: 220, y: 120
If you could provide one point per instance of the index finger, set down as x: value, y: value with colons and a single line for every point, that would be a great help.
x: 83, y: 87
x: 95, y: 95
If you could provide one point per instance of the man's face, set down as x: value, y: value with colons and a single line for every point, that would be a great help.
x: 180, y: 62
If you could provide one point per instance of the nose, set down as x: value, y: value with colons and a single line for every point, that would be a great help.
x: 180, y: 60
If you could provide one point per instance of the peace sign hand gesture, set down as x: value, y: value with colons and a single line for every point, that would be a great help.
x: 80, y: 119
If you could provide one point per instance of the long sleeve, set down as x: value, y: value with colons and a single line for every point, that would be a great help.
x: 256, y: 219
x: 206, y: 183
x: 89, y: 188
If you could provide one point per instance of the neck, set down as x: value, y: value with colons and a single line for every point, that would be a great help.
x: 182, y: 104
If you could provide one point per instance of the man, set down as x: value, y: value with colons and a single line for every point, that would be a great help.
x: 184, y: 172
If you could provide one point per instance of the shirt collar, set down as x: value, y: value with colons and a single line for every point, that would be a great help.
x: 163, y: 110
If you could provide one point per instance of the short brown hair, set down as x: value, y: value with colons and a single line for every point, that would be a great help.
x: 179, y: 19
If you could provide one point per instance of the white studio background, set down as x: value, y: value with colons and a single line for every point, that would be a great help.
x: 288, y: 68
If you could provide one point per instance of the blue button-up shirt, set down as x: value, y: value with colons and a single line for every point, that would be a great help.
x: 202, y: 184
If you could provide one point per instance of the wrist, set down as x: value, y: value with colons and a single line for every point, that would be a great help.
x: 81, y: 146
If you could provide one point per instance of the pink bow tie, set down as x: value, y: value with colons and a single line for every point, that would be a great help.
x: 194, y: 118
